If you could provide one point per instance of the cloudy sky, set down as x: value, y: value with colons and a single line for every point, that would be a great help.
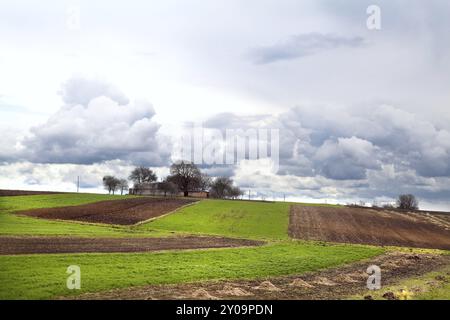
x: 91, y: 88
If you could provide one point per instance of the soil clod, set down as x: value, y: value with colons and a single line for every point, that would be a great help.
x: 267, y: 286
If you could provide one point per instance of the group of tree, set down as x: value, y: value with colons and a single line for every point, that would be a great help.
x: 222, y: 187
x: 112, y: 184
x: 187, y: 177
x: 407, y: 202
x: 141, y: 177
x: 404, y: 202
x: 184, y: 176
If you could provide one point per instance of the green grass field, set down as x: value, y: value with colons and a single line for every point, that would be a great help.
x: 53, y: 200
x: 44, y: 276
x: 242, y: 219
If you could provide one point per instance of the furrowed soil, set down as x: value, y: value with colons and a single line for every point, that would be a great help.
x: 30, y: 245
x: 121, y: 212
x: 336, y: 283
x: 368, y: 226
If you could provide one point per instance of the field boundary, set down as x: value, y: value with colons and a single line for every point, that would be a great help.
x: 165, y: 214
x: 97, y: 224
x: 124, y: 212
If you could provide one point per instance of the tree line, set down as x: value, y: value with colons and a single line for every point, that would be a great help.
x: 403, y: 202
x: 184, y: 177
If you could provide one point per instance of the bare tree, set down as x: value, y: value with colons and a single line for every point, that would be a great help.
x: 407, y: 202
x: 123, y: 185
x: 186, y: 176
x: 141, y: 175
x: 107, y: 183
x: 235, y: 192
x: 111, y: 183
x: 205, y: 182
x: 221, y: 187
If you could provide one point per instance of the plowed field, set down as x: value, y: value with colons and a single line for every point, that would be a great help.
x: 367, y: 226
x: 28, y: 245
x: 121, y: 212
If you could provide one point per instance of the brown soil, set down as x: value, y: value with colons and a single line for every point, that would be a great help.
x: 333, y: 283
x: 29, y: 245
x: 367, y: 226
x: 9, y: 193
x: 122, y: 212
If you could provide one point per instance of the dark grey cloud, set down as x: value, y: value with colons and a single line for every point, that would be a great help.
x: 364, y: 151
x: 397, y: 136
x: 342, y: 143
x: 218, y: 170
x: 346, y: 158
x: 302, y: 45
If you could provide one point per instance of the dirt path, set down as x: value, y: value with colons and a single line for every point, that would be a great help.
x: 367, y: 226
x: 337, y: 283
x: 121, y: 212
x: 29, y: 245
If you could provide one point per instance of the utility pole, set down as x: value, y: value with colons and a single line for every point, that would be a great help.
x: 78, y: 184
x: 249, y: 195
x: 284, y: 197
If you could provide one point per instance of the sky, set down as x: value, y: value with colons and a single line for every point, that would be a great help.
x: 89, y: 88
